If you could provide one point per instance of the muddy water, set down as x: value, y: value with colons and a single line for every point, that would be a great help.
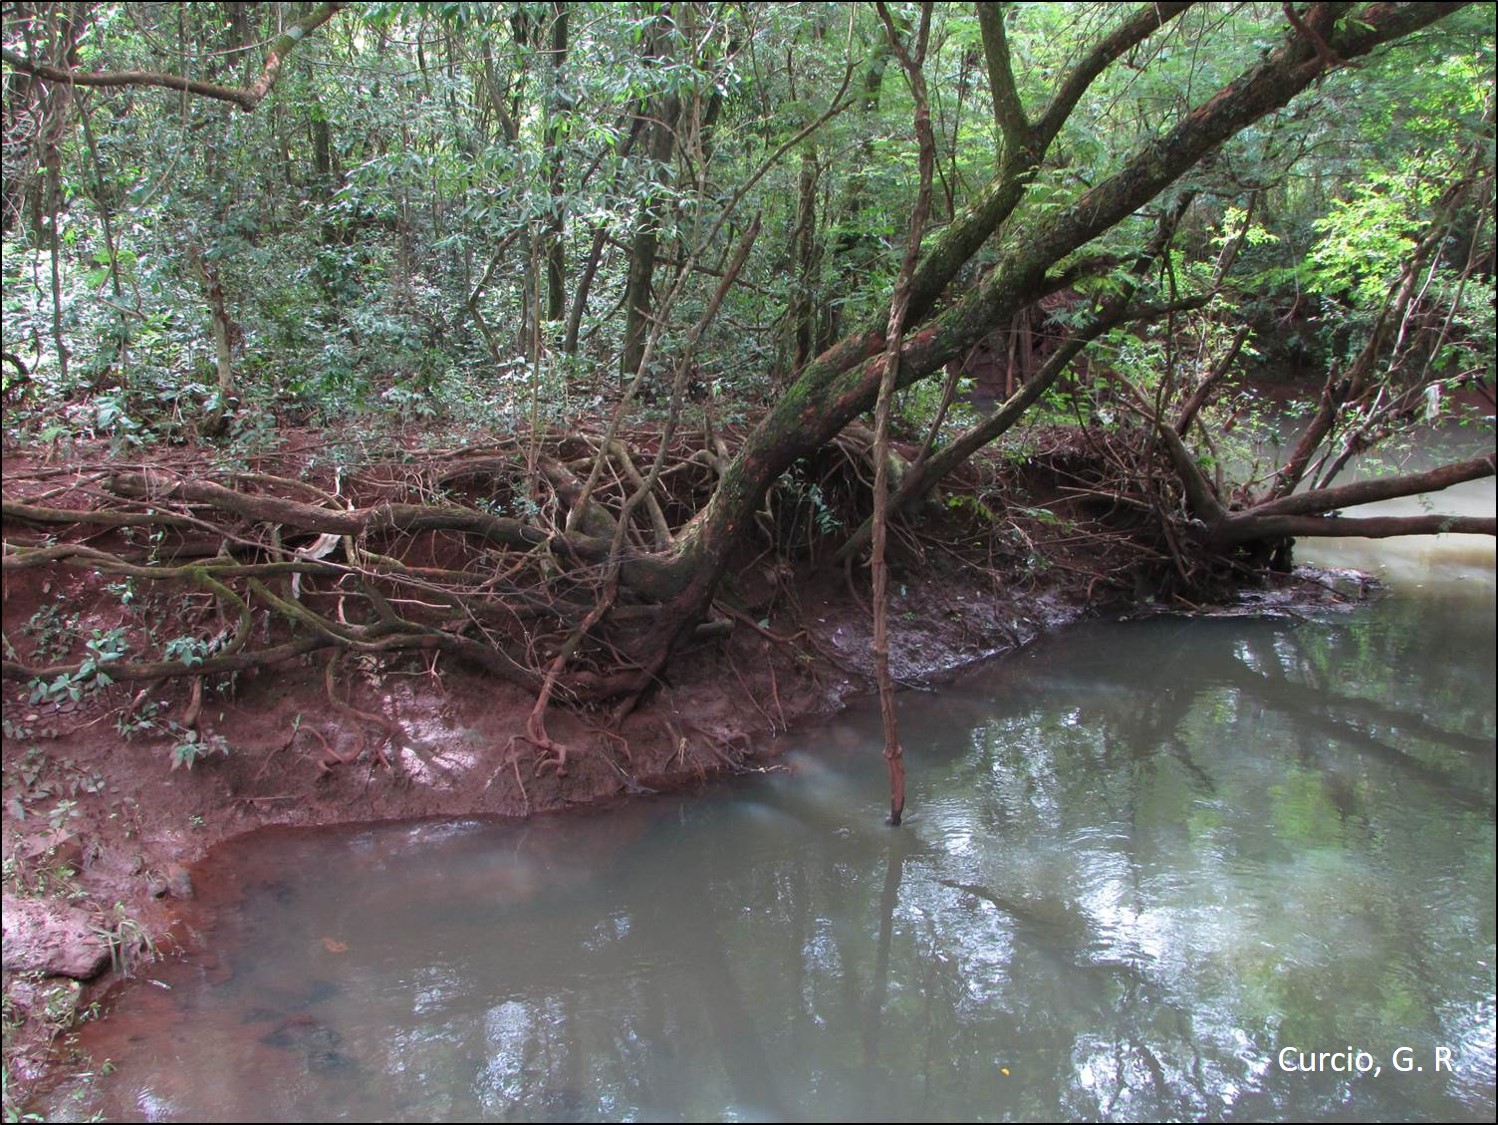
x: 1163, y: 869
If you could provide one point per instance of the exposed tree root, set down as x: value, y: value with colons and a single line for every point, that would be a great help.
x: 419, y: 556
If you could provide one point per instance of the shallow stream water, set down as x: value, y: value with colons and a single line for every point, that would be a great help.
x: 1211, y: 868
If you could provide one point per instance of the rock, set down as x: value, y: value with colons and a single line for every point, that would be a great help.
x: 52, y: 937
x: 175, y: 882
x: 178, y: 881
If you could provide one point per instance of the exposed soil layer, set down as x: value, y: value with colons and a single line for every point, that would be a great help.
x: 101, y: 831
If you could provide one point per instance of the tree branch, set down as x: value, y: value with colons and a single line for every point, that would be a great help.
x: 970, y: 229
x: 1008, y: 112
x: 1249, y: 527
x: 1128, y: 35
x: 246, y: 99
x: 1383, y: 488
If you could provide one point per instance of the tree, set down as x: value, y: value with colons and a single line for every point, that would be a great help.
x: 843, y: 381
x: 247, y: 98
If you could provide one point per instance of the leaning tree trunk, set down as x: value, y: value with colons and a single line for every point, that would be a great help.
x: 843, y: 382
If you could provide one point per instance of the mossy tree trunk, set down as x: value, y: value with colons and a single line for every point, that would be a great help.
x: 843, y: 382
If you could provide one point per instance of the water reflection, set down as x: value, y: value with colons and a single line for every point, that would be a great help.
x: 1142, y: 859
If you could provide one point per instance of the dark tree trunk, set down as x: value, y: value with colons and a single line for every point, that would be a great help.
x: 556, y: 229
x: 637, y: 289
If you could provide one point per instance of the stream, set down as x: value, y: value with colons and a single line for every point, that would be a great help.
x: 1213, y: 868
